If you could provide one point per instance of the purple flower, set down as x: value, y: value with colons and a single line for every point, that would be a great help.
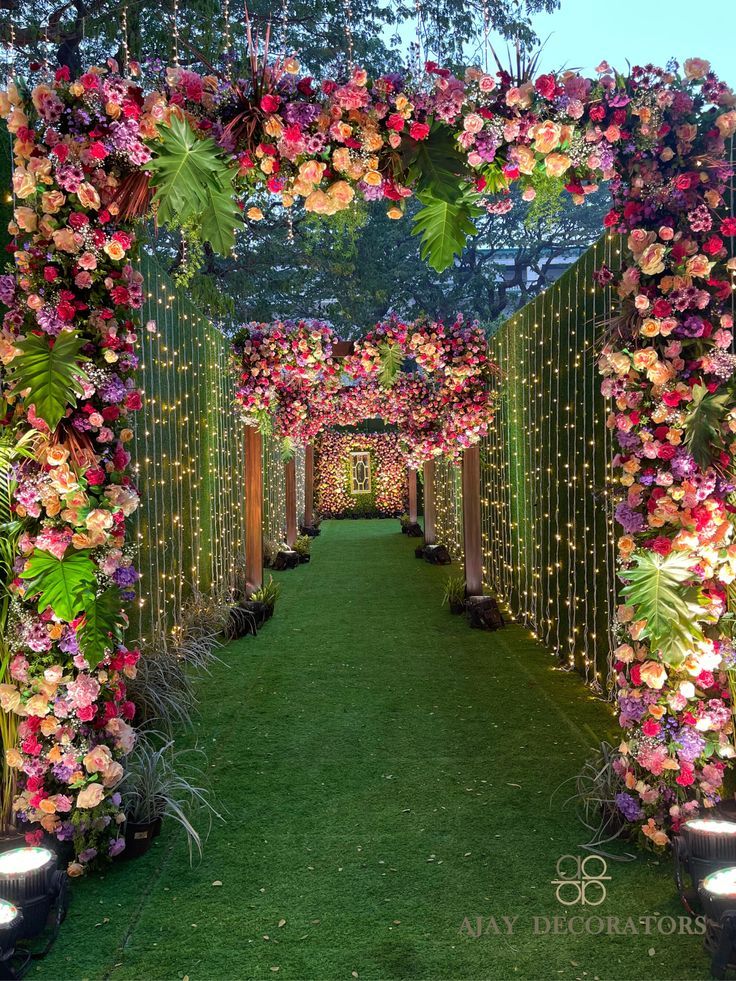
x: 629, y: 519
x: 629, y: 807
x: 116, y: 846
x: 690, y: 743
x: 7, y: 290
x: 113, y: 390
x: 125, y: 576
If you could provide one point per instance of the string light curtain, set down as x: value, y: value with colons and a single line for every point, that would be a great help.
x: 274, y: 490
x: 548, y: 536
x: 188, y: 458
x: 448, y: 495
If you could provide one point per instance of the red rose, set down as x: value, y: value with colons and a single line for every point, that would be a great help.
x: 50, y: 273
x: 62, y: 74
x: 546, y: 85
x: 61, y: 152
x: 712, y: 245
x: 611, y: 219
x: 65, y: 311
x: 123, y: 238
x: 661, y: 308
x: 683, y: 182
x: 304, y: 86
x: 635, y: 674
x: 270, y: 103
x: 597, y: 113
x: 651, y: 728
x: 419, y: 131
x: 395, y: 121
x: 705, y: 679
x: 666, y: 452
x: 90, y: 82
x: 110, y: 413
x: 77, y: 220
x: 133, y: 401
x: 97, y: 151
x: 661, y: 545
x: 686, y: 776
x: 728, y: 227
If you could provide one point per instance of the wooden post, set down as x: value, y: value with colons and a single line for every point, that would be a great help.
x: 430, y: 513
x: 253, y: 509
x: 290, y: 481
x: 471, y: 521
x: 309, y: 485
x: 411, y: 479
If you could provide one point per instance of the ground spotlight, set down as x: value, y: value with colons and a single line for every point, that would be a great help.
x: 703, y: 846
x: 34, y: 897
x: 11, y: 922
x: 718, y: 896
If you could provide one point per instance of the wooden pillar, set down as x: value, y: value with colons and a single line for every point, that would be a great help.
x: 430, y: 513
x: 290, y: 481
x: 471, y: 521
x: 411, y: 479
x: 309, y: 485
x: 253, y: 509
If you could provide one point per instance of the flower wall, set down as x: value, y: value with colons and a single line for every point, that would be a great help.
x: 92, y: 155
x: 333, y: 493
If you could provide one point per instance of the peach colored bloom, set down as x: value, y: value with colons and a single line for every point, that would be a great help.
x: 90, y: 796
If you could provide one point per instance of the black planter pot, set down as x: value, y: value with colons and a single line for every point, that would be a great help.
x: 139, y: 837
x: 457, y: 606
x: 304, y: 559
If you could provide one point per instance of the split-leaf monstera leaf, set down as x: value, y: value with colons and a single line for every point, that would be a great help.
x: 656, y: 588
x: 445, y: 221
x: 193, y: 182
x: 103, y: 625
x: 51, y: 369
x: 703, y: 433
x: 444, y: 227
x: 63, y: 584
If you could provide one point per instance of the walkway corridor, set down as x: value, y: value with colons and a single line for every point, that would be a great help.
x: 387, y: 773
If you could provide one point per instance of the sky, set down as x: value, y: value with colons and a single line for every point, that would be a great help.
x: 582, y: 33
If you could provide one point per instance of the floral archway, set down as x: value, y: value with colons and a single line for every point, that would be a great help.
x: 96, y: 154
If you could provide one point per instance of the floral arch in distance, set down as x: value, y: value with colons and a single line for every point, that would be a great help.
x: 95, y: 154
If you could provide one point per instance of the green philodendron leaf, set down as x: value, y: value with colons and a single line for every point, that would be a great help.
x: 52, y: 372
x: 655, y: 587
x: 103, y: 625
x: 392, y: 357
x: 66, y: 585
x: 193, y: 182
x: 703, y: 432
x: 438, y: 165
x: 444, y: 229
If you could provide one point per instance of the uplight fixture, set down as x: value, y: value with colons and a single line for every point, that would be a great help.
x: 718, y: 896
x: 11, y: 921
x: 703, y: 846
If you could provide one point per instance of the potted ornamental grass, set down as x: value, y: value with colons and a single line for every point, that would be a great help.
x: 267, y: 595
x: 161, y: 782
x: 302, y: 548
x: 454, y: 595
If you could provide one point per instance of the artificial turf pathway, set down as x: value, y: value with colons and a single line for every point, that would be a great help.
x: 387, y: 773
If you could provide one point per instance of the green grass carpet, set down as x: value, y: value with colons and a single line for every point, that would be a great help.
x: 386, y: 772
